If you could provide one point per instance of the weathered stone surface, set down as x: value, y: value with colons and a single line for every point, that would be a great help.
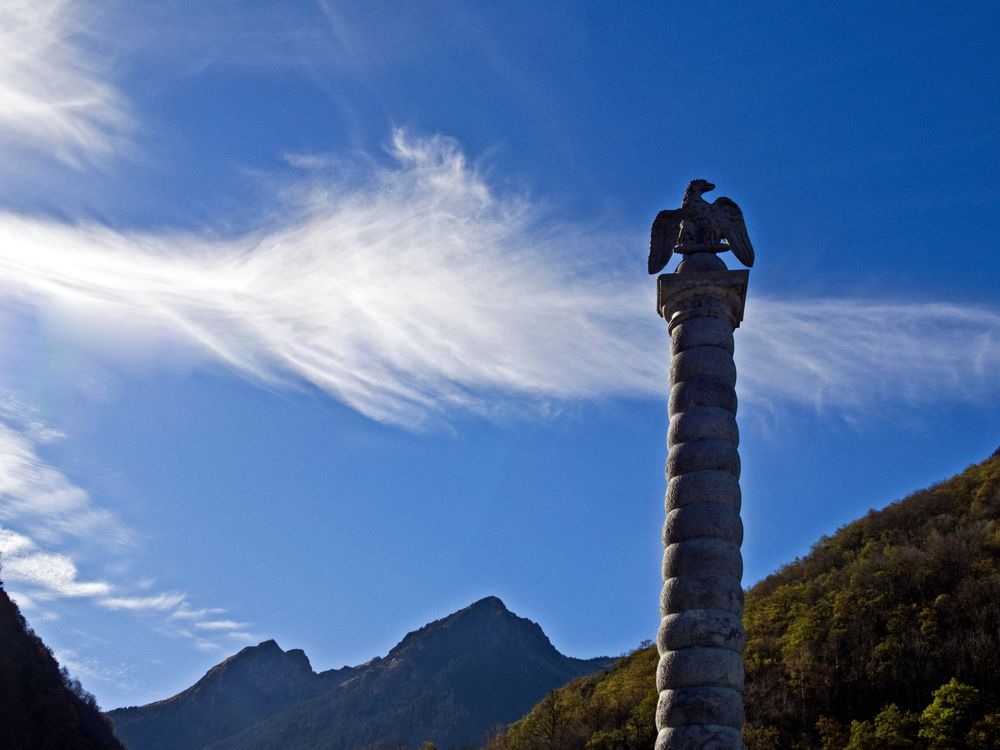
x: 702, y: 332
x: 700, y: 705
x: 703, y: 486
x: 703, y: 555
x: 703, y: 422
x: 713, y: 454
x: 700, y: 666
x: 703, y: 361
x: 700, y: 263
x: 706, y: 519
x: 699, y: 737
x: 702, y: 391
x: 718, y: 294
x: 701, y: 637
x: 702, y: 591
x: 701, y: 627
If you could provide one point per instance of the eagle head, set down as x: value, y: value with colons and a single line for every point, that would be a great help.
x: 697, y: 187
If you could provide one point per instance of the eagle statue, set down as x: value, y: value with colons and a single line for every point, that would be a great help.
x: 699, y: 227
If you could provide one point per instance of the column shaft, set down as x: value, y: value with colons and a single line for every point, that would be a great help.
x: 700, y: 640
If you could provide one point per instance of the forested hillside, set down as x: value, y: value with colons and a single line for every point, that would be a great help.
x: 887, y: 635
x: 41, y: 706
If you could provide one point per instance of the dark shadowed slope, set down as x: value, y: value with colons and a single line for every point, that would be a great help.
x: 449, y: 682
x: 855, y: 645
x: 240, y: 691
x: 39, y: 708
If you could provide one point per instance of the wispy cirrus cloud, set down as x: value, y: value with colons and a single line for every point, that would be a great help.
x: 221, y: 625
x: 49, y: 574
x: 415, y: 292
x: 184, y: 612
x: 37, y: 576
x: 848, y: 354
x: 156, y: 602
x: 41, y: 499
x: 54, y: 95
x: 46, y: 520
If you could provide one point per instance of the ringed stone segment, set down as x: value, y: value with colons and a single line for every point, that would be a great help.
x: 703, y: 422
x: 701, y: 486
x: 701, y: 638
x: 702, y: 391
x: 706, y: 332
x: 699, y: 361
x: 701, y: 555
x: 712, y: 519
x: 677, y: 708
x: 694, y: 627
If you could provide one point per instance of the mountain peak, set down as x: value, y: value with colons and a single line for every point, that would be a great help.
x: 251, y: 684
x: 478, y: 667
x: 489, y: 602
x: 487, y: 623
x: 265, y: 653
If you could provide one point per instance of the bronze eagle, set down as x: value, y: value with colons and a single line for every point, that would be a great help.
x: 699, y: 226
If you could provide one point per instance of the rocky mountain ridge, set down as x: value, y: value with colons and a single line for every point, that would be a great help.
x: 449, y: 682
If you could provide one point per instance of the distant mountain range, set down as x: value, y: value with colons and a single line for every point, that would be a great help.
x: 450, y: 682
x: 887, y: 635
x: 41, y: 707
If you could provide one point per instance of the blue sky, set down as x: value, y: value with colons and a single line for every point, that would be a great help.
x: 321, y: 320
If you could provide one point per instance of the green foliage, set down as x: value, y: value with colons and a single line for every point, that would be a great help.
x: 882, y: 612
x: 895, y: 728
x: 611, y: 711
x: 832, y: 734
x: 985, y: 733
x: 862, y: 737
x: 944, y: 723
x: 762, y: 738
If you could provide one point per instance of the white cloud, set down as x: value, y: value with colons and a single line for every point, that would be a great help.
x: 21, y: 599
x: 417, y: 292
x: 53, y: 96
x: 845, y: 355
x: 414, y: 293
x: 49, y: 574
x: 12, y: 543
x: 184, y: 612
x: 220, y: 625
x: 36, y: 497
x: 156, y: 602
x: 44, y: 501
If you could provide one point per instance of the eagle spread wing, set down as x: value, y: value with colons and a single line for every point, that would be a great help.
x: 729, y: 220
x: 663, y: 237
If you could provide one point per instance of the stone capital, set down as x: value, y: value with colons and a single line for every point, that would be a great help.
x: 719, y: 294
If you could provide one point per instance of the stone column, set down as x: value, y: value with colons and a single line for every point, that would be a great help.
x: 700, y: 640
